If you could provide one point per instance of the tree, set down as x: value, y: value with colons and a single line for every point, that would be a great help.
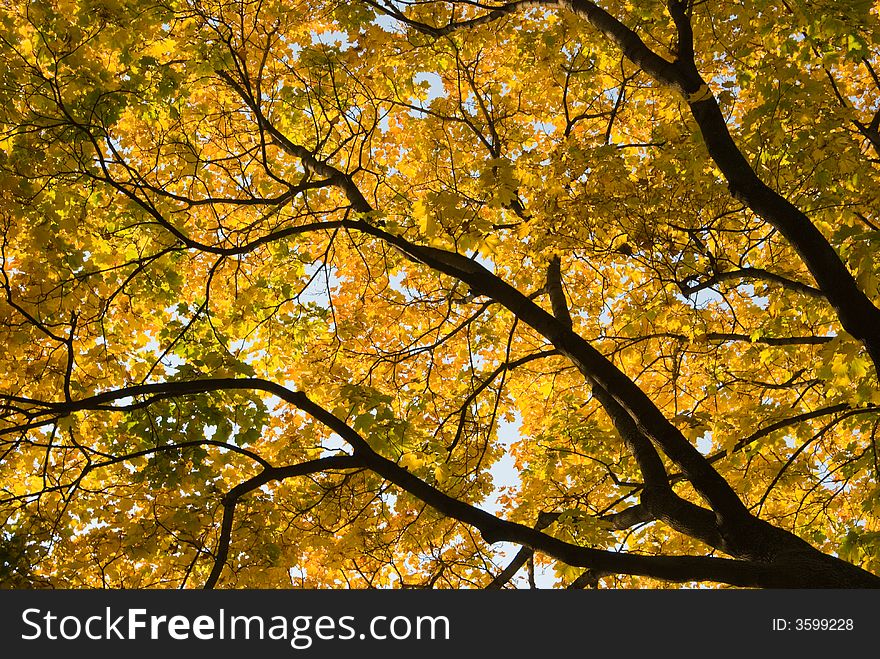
x: 284, y: 283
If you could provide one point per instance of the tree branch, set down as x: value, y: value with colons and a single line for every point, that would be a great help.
x: 493, y: 529
x: 255, y: 482
x: 556, y: 293
x: 755, y: 274
x: 493, y: 14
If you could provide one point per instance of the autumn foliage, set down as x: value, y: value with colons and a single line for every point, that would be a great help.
x: 439, y: 294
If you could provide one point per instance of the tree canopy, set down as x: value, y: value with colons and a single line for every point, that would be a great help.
x: 424, y: 294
